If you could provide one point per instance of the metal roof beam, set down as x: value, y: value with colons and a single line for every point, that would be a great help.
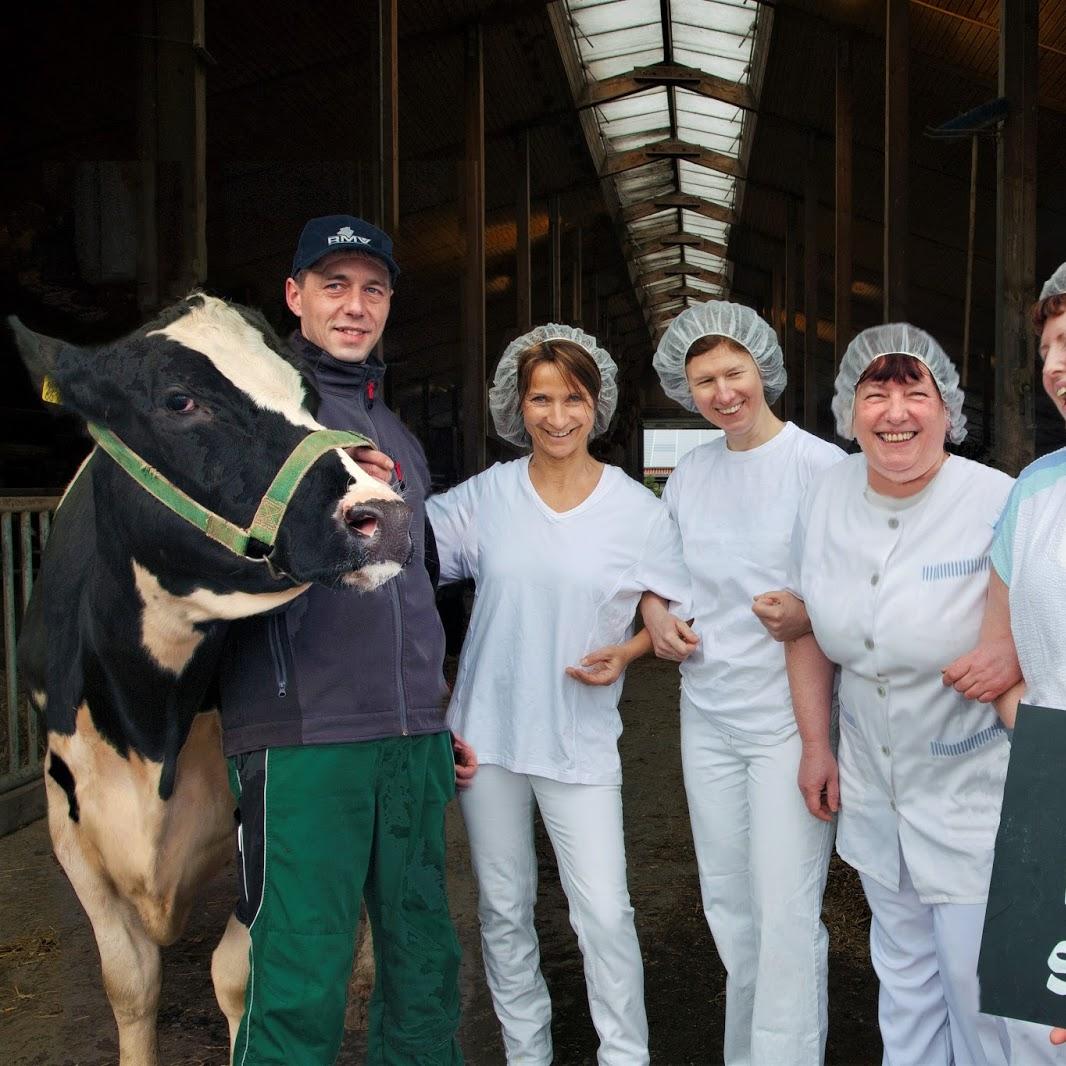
x: 696, y: 204
x: 667, y: 74
x: 619, y: 162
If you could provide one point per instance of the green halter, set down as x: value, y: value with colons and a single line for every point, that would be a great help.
x: 268, y: 515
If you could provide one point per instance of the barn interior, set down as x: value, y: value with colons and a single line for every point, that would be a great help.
x: 601, y: 162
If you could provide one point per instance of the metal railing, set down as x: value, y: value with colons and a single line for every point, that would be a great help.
x: 24, y: 525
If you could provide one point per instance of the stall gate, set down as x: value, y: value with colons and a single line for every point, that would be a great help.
x: 24, y: 525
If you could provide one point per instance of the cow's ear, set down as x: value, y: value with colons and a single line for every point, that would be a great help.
x: 38, y: 353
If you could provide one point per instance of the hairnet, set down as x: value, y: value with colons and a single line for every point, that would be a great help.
x: 505, y: 403
x: 731, y: 320
x: 897, y: 338
x: 1055, y: 285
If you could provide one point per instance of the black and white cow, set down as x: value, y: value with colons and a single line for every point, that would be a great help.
x: 121, y: 638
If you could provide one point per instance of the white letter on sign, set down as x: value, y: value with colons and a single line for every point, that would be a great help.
x: 1057, y: 964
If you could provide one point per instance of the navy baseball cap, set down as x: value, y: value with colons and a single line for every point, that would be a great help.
x: 342, y: 233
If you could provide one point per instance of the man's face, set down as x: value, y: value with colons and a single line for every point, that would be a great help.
x: 342, y: 305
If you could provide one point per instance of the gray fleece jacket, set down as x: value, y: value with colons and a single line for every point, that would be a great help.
x: 339, y: 665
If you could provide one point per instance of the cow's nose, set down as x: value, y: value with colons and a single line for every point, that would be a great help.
x: 363, y: 519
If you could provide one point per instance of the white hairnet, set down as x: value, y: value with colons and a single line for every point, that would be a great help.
x: 897, y: 338
x: 1055, y: 285
x: 505, y: 403
x: 731, y: 320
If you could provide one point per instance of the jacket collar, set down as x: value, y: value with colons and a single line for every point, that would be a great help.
x: 328, y: 371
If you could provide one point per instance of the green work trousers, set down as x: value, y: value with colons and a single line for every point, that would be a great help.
x: 320, y: 827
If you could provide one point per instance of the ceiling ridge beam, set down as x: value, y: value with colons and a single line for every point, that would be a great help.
x: 666, y: 75
x: 619, y: 162
x: 696, y: 204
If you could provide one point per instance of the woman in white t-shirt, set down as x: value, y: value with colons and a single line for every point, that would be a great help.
x: 560, y: 547
x: 762, y: 858
x: 890, y: 555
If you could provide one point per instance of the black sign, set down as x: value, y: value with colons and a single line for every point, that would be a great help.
x: 1022, y: 967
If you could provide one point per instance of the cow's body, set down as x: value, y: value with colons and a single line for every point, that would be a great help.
x: 123, y: 633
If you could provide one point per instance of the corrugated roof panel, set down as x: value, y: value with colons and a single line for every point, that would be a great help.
x: 711, y: 123
x: 654, y: 226
x: 734, y: 18
x: 710, y: 184
x: 652, y: 179
x: 702, y: 226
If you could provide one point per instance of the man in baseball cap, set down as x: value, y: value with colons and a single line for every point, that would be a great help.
x: 333, y: 722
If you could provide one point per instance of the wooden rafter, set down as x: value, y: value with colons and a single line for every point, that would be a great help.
x: 666, y: 74
x: 619, y: 162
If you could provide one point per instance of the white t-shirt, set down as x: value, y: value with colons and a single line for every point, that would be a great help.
x: 735, y: 511
x: 551, y: 587
x: 1029, y: 554
x: 896, y: 591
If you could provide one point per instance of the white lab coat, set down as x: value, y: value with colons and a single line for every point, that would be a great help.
x: 895, y: 591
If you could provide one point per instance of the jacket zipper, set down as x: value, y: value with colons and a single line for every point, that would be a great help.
x: 277, y: 653
x: 398, y: 615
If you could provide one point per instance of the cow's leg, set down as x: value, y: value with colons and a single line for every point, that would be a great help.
x: 362, y: 980
x: 229, y: 973
x: 129, y: 959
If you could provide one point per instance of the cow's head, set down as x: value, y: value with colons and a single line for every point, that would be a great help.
x: 205, y: 396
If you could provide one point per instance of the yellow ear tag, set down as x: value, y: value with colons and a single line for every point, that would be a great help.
x: 49, y: 391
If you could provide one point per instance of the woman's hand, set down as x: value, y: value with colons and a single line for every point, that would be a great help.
x: 986, y: 672
x: 604, y: 666
x: 465, y: 762
x: 783, y: 615
x: 670, y: 637
x: 1058, y: 1036
x: 818, y: 781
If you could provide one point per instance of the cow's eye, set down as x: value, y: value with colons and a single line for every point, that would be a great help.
x: 180, y: 403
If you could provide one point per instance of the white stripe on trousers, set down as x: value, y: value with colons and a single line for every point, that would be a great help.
x: 584, y: 823
x: 762, y: 859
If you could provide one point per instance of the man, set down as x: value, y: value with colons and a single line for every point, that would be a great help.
x: 333, y: 719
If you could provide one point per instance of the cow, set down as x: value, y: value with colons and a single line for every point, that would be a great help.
x: 211, y: 494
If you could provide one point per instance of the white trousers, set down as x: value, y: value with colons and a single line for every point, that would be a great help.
x: 584, y: 823
x: 925, y: 955
x: 762, y: 860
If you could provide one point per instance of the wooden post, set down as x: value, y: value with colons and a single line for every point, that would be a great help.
x: 172, y: 150
x: 523, y: 260
x: 842, y: 262
x: 790, y: 405
x: 555, y: 267
x: 474, y: 395
x: 777, y: 317
x: 897, y: 154
x: 388, y: 117
x: 576, y: 297
x: 1016, y: 235
x: 810, y: 292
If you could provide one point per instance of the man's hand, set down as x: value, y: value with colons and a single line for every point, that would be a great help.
x: 376, y: 464
x: 603, y: 666
x: 1058, y: 1036
x: 783, y: 615
x: 465, y: 762
x: 818, y: 781
x: 986, y: 672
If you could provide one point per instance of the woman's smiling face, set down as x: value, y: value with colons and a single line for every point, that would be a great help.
x: 558, y: 414
x: 901, y: 427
